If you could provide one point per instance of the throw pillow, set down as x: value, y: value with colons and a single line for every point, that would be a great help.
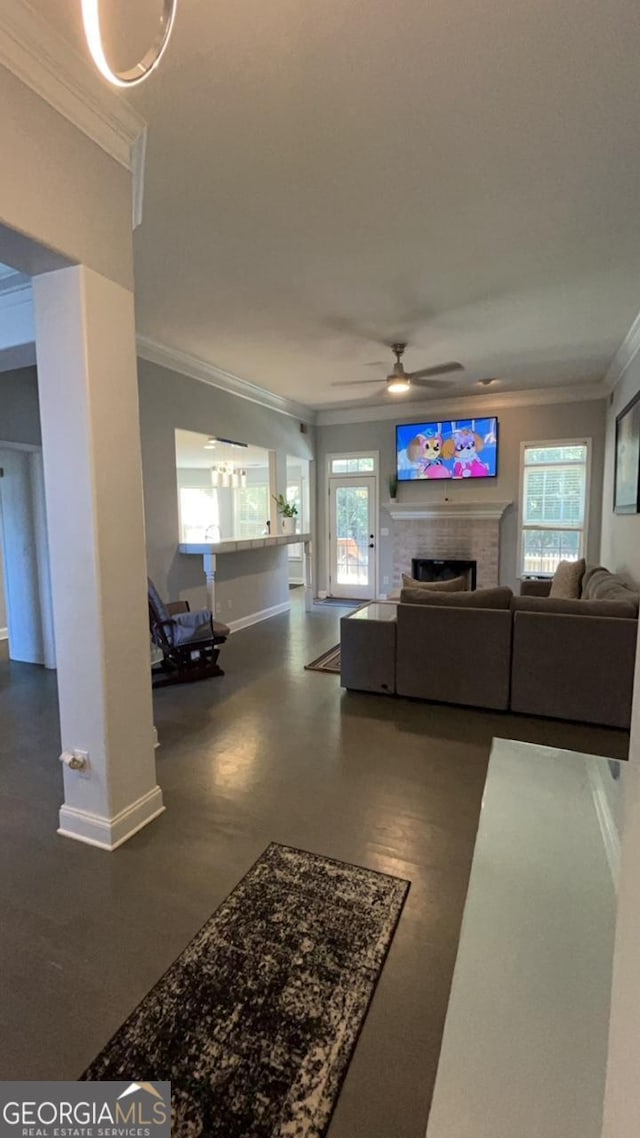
x: 567, y: 580
x: 598, y: 584
x: 453, y: 585
x: 498, y: 598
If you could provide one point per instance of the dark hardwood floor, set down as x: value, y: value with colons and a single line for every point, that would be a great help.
x: 268, y: 753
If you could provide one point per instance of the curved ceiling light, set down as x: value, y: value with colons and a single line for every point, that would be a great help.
x: 397, y: 384
x: 149, y: 61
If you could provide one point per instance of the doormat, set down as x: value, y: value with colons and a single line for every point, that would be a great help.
x: 328, y: 662
x: 256, y: 1021
x: 341, y: 602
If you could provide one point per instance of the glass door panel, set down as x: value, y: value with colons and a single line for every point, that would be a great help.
x: 352, y: 537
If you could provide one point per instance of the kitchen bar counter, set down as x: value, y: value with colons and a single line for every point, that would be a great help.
x: 238, y: 545
x: 209, y: 551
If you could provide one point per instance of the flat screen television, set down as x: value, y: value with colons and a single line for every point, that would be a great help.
x: 451, y: 448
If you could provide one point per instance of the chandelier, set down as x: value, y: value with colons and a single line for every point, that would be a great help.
x: 150, y: 60
x: 226, y: 474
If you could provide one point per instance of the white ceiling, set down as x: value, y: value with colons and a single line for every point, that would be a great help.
x: 321, y: 177
x: 191, y: 453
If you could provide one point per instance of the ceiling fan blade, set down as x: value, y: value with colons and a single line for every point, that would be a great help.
x: 436, y: 384
x: 439, y: 369
x: 355, y: 382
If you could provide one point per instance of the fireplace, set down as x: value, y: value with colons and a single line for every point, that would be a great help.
x: 441, y: 569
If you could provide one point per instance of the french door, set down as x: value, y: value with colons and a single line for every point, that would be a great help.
x: 352, y: 536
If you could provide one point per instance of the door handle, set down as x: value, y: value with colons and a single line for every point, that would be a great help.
x: 371, y: 545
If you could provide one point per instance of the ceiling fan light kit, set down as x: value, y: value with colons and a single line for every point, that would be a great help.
x: 400, y: 381
x: 396, y: 385
x: 150, y: 60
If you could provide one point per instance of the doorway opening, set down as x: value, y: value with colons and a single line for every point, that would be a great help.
x: 353, y: 492
x: 26, y: 582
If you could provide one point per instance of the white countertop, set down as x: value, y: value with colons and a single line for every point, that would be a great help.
x: 525, y: 1042
x: 239, y: 545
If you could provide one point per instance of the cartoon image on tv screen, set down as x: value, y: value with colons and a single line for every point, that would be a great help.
x: 457, y: 448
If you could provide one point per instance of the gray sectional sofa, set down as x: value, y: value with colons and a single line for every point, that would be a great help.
x: 575, y: 659
x: 534, y: 654
x: 454, y: 651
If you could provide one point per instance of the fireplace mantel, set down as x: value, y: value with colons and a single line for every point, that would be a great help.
x: 478, y: 511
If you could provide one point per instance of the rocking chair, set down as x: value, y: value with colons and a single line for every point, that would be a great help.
x: 189, y: 641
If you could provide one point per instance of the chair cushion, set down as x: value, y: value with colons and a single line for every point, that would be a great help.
x: 162, y: 612
x: 194, y: 627
x: 453, y: 585
x: 498, y: 598
x: 567, y: 579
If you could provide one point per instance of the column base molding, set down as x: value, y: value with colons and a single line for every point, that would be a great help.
x: 109, y: 833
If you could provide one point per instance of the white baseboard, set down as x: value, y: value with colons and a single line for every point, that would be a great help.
x: 4, y: 633
x: 256, y: 617
x: 296, y: 581
x: 109, y: 833
x: 598, y: 772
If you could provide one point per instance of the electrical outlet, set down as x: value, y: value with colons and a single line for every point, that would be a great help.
x: 384, y: 533
x: 229, y: 604
x: 218, y: 607
x: 385, y: 580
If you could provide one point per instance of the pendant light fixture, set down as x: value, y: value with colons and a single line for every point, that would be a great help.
x: 150, y: 60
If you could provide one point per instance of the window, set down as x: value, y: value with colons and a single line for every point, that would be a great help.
x: 554, y: 505
x: 199, y: 514
x: 357, y: 464
x: 251, y: 510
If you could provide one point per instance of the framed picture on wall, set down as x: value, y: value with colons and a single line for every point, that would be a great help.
x: 626, y: 494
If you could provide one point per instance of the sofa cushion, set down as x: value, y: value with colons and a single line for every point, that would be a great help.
x: 598, y: 584
x: 453, y: 585
x: 573, y: 607
x: 498, y: 598
x: 567, y: 579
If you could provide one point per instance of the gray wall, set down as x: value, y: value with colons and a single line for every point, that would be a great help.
x: 620, y: 532
x: 247, y: 582
x: 19, y: 423
x: 517, y: 425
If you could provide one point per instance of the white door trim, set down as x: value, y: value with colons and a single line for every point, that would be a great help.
x: 375, y: 473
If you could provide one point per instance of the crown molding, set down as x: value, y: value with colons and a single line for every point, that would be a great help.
x: 462, y: 405
x: 42, y: 59
x: 624, y: 356
x: 196, y: 368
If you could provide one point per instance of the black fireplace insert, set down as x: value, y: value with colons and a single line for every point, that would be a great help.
x: 443, y: 569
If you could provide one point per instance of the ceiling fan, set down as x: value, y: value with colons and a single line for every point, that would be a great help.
x: 400, y: 381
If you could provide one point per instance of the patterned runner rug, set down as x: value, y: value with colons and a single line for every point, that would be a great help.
x: 255, y: 1023
x: 328, y: 662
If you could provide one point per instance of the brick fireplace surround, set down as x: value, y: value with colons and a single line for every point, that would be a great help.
x: 464, y: 531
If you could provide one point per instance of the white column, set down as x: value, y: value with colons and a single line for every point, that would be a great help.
x: 209, y: 561
x: 308, y: 576
x: 85, y: 337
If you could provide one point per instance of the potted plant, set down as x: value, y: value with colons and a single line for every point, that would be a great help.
x: 393, y: 487
x: 288, y: 513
